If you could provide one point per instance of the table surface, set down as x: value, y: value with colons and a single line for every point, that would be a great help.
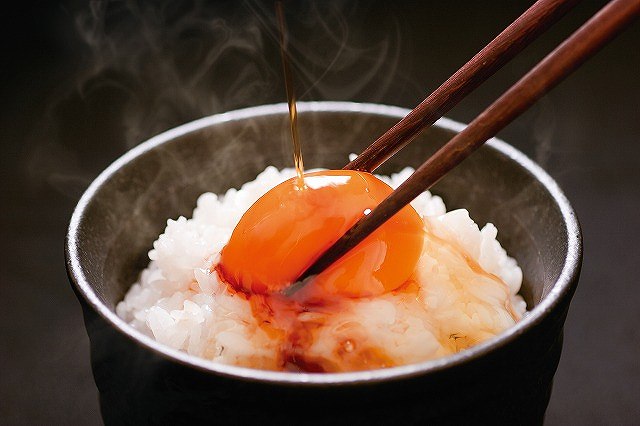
x: 81, y: 86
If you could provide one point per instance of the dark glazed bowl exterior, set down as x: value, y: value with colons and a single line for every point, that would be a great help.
x: 504, y: 380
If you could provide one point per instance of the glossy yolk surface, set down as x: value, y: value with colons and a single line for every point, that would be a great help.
x: 289, y: 227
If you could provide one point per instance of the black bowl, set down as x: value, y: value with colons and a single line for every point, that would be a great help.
x: 505, y: 379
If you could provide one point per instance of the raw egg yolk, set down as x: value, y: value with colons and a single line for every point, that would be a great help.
x: 290, y: 226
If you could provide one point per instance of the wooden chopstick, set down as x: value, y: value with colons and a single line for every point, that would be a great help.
x: 583, y: 44
x: 512, y: 40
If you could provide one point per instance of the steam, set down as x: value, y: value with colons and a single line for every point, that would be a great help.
x: 171, y: 63
x: 333, y: 57
x: 544, y: 127
x: 150, y: 66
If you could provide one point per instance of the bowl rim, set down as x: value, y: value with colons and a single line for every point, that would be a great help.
x: 564, y: 286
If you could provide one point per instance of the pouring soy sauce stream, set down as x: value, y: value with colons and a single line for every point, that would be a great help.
x: 291, y: 94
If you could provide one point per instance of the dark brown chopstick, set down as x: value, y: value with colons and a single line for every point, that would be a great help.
x: 583, y: 44
x: 518, y: 35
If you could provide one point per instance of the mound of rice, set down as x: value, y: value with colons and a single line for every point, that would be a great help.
x: 182, y: 304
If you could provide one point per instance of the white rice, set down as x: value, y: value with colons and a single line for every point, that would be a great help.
x: 180, y: 303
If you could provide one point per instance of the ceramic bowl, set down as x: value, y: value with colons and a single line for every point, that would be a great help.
x: 507, y: 379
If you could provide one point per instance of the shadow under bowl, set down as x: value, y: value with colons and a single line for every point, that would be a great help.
x: 505, y: 379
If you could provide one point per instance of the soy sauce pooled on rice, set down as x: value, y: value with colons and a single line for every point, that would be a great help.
x: 460, y: 289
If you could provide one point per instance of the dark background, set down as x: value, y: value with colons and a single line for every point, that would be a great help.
x: 84, y: 81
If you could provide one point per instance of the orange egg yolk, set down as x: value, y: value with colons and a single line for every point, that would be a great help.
x: 290, y: 226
